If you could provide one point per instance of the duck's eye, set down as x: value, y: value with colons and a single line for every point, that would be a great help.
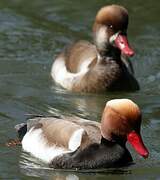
x: 110, y: 26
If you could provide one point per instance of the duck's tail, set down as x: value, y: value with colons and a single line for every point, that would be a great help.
x: 21, y: 130
x: 12, y: 142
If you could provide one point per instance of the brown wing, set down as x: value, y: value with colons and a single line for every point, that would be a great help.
x: 77, y: 54
x: 59, y: 131
x: 91, y: 127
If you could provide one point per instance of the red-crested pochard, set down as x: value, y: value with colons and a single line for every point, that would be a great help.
x: 104, y: 65
x: 78, y: 143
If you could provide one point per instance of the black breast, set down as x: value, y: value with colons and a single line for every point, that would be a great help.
x: 95, y: 156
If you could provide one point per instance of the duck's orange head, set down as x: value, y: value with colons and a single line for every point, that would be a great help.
x: 121, y: 120
x: 110, y: 28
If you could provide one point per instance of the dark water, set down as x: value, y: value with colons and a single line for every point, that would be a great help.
x: 31, y: 34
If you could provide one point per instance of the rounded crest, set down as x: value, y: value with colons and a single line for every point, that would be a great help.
x: 114, y: 15
x: 120, y: 117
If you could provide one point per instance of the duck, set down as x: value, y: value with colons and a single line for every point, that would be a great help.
x: 103, y: 65
x: 77, y: 143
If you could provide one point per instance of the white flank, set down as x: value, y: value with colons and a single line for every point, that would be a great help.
x: 66, y: 79
x: 75, y: 140
x: 35, y: 143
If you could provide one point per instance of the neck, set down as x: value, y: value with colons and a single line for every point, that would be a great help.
x: 105, y: 141
x: 117, y: 140
x: 110, y: 51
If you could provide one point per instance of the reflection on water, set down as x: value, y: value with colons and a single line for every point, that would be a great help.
x: 31, y: 34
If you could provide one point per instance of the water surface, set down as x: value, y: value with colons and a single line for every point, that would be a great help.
x: 32, y: 33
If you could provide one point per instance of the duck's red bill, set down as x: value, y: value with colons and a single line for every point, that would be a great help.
x: 121, y: 42
x: 136, y: 141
